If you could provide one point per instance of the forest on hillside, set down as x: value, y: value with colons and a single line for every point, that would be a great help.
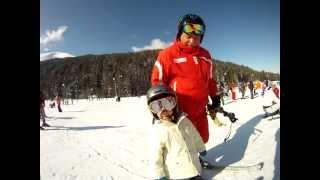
x: 122, y: 74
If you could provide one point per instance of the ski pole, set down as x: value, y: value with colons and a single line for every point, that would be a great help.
x: 229, y: 133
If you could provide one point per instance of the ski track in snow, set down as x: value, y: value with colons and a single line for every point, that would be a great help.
x: 107, y: 140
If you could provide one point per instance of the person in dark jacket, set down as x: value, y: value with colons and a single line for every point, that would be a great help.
x: 243, y: 89
x: 221, y: 92
x: 58, y: 101
x: 251, y: 86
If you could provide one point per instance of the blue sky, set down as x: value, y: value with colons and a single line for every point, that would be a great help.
x: 245, y: 32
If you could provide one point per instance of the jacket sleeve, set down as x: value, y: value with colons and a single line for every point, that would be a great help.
x: 156, y: 153
x: 196, y: 137
x: 159, y: 75
x: 212, y: 85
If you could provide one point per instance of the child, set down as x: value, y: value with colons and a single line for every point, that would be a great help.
x: 175, y: 143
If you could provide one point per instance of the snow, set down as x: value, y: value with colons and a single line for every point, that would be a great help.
x: 104, y: 139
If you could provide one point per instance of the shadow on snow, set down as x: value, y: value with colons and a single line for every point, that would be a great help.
x: 233, y: 150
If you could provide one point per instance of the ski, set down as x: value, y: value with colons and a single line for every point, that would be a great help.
x: 273, y: 118
x: 254, y: 167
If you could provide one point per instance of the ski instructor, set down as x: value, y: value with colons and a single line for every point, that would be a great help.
x: 188, y: 69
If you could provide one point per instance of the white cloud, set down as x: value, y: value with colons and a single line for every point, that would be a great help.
x: 52, y: 55
x: 155, y: 44
x: 52, y: 35
x: 47, y: 39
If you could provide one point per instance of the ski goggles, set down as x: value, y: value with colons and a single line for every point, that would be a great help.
x: 167, y: 103
x: 196, y: 29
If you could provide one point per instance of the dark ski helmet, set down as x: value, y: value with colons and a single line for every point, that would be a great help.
x: 158, y: 92
x: 189, y: 18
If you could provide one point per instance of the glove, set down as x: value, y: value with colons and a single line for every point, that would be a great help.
x: 212, y: 112
x: 215, y: 101
x: 203, y: 153
x: 217, y: 122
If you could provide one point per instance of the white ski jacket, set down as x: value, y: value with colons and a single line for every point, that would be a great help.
x: 270, y: 99
x: 175, y: 148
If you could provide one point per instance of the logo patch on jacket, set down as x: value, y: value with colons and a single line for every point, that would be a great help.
x: 195, y: 59
x: 180, y: 60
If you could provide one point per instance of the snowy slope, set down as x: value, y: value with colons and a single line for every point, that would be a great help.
x: 109, y: 140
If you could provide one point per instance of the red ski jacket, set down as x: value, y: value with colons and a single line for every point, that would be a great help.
x: 189, y: 72
x: 276, y: 92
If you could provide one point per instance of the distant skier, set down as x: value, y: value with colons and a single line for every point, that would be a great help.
x: 264, y: 87
x: 175, y: 142
x: 221, y: 91
x: 73, y: 95
x: 233, y: 91
x: 251, y: 87
x: 42, y: 112
x: 58, y: 101
x: 243, y: 89
x: 226, y: 90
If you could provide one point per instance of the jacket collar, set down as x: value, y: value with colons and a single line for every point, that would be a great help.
x: 180, y: 118
x: 186, y: 50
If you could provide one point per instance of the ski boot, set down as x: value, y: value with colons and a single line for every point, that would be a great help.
x: 272, y: 114
x: 41, y: 128
x: 197, y: 178
x: 205, y: 164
